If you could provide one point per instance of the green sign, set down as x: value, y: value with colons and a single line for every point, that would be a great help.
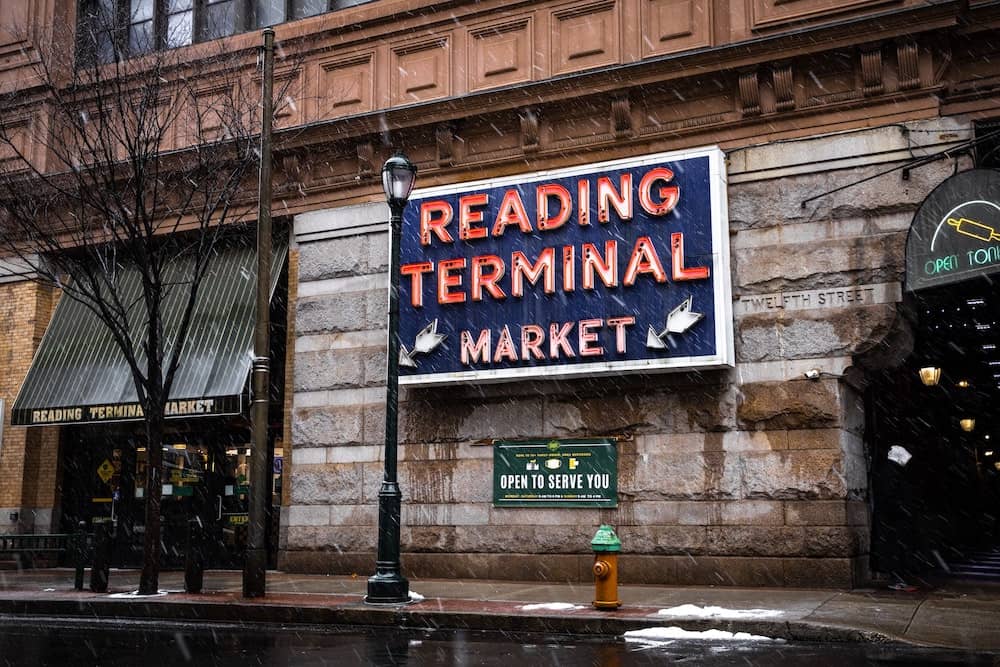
x: 555, y: 473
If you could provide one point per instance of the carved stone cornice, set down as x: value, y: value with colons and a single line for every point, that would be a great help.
x: 621, y: 116
x: 908, y: 61
x: 749, y: 93
x: 871, y: 70
x: 530, y: 123
x: 784, y: 91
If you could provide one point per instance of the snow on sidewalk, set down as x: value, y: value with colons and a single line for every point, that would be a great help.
x: 694, y: 611
x: 662, y: 635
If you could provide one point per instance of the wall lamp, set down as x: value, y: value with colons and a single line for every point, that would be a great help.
x: 930, y: 375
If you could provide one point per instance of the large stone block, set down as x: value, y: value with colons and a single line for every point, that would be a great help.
x: 681, y: 410
x: 834, y: 541
x: 346, y: 311
x: 334, y: 258
x: 672, y: 513
x: 312, y: 427
x: 329, y: 369
x: 829, y: 263
x: 729, y: 571
x: 793, y: 405
x: 807, y: 334
x: 816, y: 513
x: 447, y: 481
x: 328, y: 484
x: 436, y: 514
x: 756, y: 541
x: 354, y: 515
x: 336, y: 538
x: 686, y: 476
x: 793, y: 475
x: 768, y: 203
x: 752, y: 513
x: 670, y: 540
x: 308, y: 515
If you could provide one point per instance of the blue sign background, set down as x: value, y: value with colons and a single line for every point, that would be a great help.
x: 648, y: 301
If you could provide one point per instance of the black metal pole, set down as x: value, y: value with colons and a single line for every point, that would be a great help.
x: 388, y: 585
x: 255, y: 565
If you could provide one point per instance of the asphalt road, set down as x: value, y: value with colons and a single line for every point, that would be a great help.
x: 39, y: 642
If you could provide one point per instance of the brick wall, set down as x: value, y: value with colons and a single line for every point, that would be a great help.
x: 28, y: 457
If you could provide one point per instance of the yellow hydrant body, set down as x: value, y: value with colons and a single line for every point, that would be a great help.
x: 606, y: 546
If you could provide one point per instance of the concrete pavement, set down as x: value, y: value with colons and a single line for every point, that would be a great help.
x: 954, y: 615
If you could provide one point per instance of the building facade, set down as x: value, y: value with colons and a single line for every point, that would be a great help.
x: 835, y: 119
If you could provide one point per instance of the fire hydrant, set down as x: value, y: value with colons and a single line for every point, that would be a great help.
x: 606, y: 546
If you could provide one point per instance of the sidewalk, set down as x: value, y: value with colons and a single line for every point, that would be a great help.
x: 956, y: 615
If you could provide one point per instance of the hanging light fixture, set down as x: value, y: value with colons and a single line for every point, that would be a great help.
x: 930, y: 375
x: 968, y: 424
x: 964, y: 384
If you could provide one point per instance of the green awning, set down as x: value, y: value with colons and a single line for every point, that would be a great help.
x: 79, y: 375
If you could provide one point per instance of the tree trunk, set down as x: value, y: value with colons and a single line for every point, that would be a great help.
x: 149, y: 581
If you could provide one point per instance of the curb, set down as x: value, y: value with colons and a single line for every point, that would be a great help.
x: 430, y: 614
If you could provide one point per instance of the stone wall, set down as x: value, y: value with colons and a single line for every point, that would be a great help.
x: 752, y: 476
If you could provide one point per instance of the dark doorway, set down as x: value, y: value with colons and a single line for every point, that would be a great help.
x: 937, y: 512
x: 205, y: 465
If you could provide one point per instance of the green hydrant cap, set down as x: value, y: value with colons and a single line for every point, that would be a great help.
x: 605, y: 539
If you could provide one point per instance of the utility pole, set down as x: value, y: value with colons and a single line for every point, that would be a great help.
x: 255, y: 565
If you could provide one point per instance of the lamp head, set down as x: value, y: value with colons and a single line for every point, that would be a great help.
x: 398, y: 176
x: 930, y: 375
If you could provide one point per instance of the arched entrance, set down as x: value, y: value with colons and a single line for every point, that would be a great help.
x: 934, y: 422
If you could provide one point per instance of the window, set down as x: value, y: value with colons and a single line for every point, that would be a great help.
x: 109, y: 29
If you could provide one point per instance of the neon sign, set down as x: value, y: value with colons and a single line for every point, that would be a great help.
x: 613, y: 267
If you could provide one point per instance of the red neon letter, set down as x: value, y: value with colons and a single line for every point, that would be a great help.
x: 511, y: 213
x: 583, y: 201
x: 429, y: 223
x: 532, y: 337
x: 569, y: 270
x: 416, y: 280
x: 677, y: 260
x: 505, y: 347
x: 619, y: 323
x: 447, y: 278
x: 669, y: 195
x: 488, y: 280
x: 467, y: 217
x: 557, y: 340
x: 478, y: 351
x: 644, y: 260
x: 543, y: 193
x: 588, y: 338
x: 606, y: 268
x: 622, y: 200
x: 521, y: 268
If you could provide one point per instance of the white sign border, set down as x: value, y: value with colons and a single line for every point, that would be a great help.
x: 722, y: 279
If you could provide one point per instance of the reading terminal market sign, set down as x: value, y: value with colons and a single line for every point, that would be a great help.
x: 614, y: 267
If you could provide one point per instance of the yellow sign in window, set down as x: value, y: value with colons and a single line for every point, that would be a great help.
x: 105, y: 471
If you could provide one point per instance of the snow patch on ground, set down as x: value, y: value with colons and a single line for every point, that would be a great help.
x: 416, y: 597
x: 658, y: 635
x: 551, y: 606
x: 694, y: 611
x: 135, y: 594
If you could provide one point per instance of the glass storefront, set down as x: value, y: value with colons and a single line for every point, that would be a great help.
x: 205, y: 478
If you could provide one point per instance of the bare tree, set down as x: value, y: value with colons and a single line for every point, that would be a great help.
x: 134, y: 166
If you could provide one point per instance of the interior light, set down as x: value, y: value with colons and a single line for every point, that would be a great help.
x: 988, y: 452
x: 180, y: 446
x: 930, y: 375
x: 968, y: 424
x: 140, y: 449
x: 964, y: 384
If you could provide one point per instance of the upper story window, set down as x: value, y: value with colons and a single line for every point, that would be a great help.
x: 109, y: 29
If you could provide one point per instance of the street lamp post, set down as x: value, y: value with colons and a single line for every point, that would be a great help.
x: 388, y: 585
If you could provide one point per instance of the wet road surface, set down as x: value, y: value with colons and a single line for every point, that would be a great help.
x: 56, y: 642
